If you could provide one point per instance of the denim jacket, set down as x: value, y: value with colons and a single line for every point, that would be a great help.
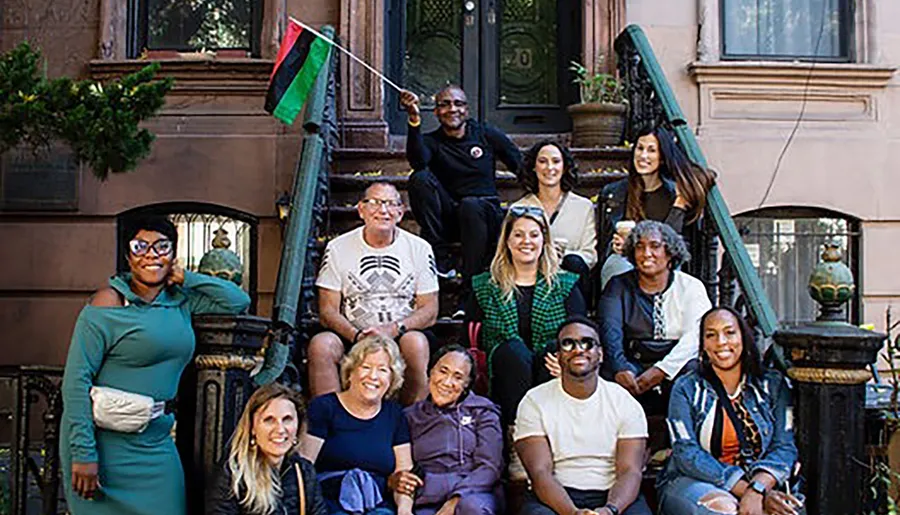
x: 692, y: 410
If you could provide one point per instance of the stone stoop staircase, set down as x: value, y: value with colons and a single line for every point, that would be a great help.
x: 354, y: 169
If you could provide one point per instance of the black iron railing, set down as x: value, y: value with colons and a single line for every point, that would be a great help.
x: 30, y: 407
x: 652, y: 102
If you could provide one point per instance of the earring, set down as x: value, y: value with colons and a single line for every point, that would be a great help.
x: 296, y: 441
x: 252, y: 441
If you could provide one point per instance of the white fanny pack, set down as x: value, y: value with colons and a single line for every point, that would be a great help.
x: 125, y: 412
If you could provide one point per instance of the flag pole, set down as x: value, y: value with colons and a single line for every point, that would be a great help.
x: 344, y: 50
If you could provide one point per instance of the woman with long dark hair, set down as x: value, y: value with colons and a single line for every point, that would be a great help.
x: 663, y: 184
x: 732, y: 429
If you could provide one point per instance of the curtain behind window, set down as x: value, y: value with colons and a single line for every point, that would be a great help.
x: 784, y: 28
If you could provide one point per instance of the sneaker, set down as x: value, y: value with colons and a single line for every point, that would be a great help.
x: 459, y: 314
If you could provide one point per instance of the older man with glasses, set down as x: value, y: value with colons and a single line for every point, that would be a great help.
x: 452, y: 190
x: 376, y: 279
x: 580, y: 437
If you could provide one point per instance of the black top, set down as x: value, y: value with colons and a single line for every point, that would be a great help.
x: 464, y: 166
x: 221, y: 500
x: 574, y: 303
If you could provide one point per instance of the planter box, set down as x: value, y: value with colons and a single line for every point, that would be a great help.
x: 597, y: 125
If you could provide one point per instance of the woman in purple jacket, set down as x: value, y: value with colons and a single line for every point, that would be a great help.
x: 457, y: 442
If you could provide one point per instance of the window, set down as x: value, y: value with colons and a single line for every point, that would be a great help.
x: 786, y: 29
x: 198, y: 226
x: 193, y: 25
x: 785, y: 244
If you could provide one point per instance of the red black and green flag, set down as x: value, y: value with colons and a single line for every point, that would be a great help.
x: 299, y: 60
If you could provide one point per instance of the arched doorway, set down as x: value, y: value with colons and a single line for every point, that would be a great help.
x: 510, y: 56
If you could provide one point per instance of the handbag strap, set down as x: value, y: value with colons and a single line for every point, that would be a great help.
x: 301, y: 492
x: 474, y: 329
x: 717, y: 385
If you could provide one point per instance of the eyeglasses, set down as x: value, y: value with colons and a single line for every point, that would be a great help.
x: 376, y: 203
x: 161, y: 247
x: 520, y: 211
x: 583, y: 344
x: 447, y: 104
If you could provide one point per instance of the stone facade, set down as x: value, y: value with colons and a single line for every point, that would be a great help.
x: 216, y: 144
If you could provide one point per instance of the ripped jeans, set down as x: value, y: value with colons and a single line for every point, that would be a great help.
x: 682, y: 496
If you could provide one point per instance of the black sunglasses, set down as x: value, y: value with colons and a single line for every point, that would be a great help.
x: 584, y: 344
x: 520, y: 211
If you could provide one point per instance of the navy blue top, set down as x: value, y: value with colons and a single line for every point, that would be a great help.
x: 351, y: 442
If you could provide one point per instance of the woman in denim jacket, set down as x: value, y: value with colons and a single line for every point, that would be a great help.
x: 715, y: 466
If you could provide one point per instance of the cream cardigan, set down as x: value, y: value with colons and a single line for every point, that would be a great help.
x: 575, y: 222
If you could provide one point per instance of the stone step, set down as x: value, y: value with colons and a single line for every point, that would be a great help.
x: 446, y: 330
x: 389, y: 161
x: 346, y: 189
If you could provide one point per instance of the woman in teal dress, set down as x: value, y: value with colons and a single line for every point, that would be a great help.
x: 135, y: 336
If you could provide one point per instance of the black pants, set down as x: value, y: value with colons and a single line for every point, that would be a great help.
x: 589, y: 499
x: 515, y: 369
x: 475, y: 221
x: 576, y: 264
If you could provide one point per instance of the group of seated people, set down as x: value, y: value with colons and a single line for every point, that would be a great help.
x: 568, y: 396
x: 581, y: 438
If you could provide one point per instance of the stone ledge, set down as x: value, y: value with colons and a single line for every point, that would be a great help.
x: 772, y: 73
x: 210, y: 76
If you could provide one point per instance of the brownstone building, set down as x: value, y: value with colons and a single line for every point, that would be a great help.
x: 225, y: 162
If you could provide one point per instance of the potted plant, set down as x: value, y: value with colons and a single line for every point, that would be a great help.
x: 600, y: 117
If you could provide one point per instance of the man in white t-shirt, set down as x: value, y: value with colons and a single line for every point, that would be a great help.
x: 377, y: 278
x: 581, y: 438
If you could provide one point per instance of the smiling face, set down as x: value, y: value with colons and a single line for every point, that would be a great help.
x: 525, y: 241
x: 382, y: 208
x: 549, y: 167
x: 151, y: 268
x: 371, y: 379
x: 275, y: 429
x: 722, y: 341
x: 448, y: 378
x: 579, y: 363
x: 646, y: 155
x: 451, y: 108
x: 650, y: 256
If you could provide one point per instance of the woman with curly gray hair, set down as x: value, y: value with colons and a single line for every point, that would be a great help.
x: 359, y: 437
x: 649, y: 316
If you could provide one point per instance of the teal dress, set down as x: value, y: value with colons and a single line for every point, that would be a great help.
x: 140, y: 348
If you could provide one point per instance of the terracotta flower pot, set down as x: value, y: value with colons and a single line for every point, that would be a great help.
x: 597, y: 125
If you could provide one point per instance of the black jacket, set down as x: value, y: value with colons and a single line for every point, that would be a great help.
x: 611, y: 209
x: 221, y: 500
x: 464, y: 166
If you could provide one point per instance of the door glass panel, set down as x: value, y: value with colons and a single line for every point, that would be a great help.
x: 433, y: 55
x: 528, y: 60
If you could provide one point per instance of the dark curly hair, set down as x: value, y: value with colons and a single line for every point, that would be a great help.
x: 528, y: 177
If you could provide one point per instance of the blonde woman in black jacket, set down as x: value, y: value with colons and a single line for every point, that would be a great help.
x: 261, y: 474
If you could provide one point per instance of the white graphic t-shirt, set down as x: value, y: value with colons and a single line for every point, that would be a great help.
x: 378, y: 286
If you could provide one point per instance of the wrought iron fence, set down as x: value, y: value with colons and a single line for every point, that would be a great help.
x: 30, y: 411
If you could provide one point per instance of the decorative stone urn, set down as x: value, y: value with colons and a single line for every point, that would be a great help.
x: 831, y: 283
x: 829, y: 370
x: 221, y: 261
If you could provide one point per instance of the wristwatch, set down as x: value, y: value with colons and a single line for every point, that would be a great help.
x: 758, y: 487
x: 401, y: 329
x: 612, y: 509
